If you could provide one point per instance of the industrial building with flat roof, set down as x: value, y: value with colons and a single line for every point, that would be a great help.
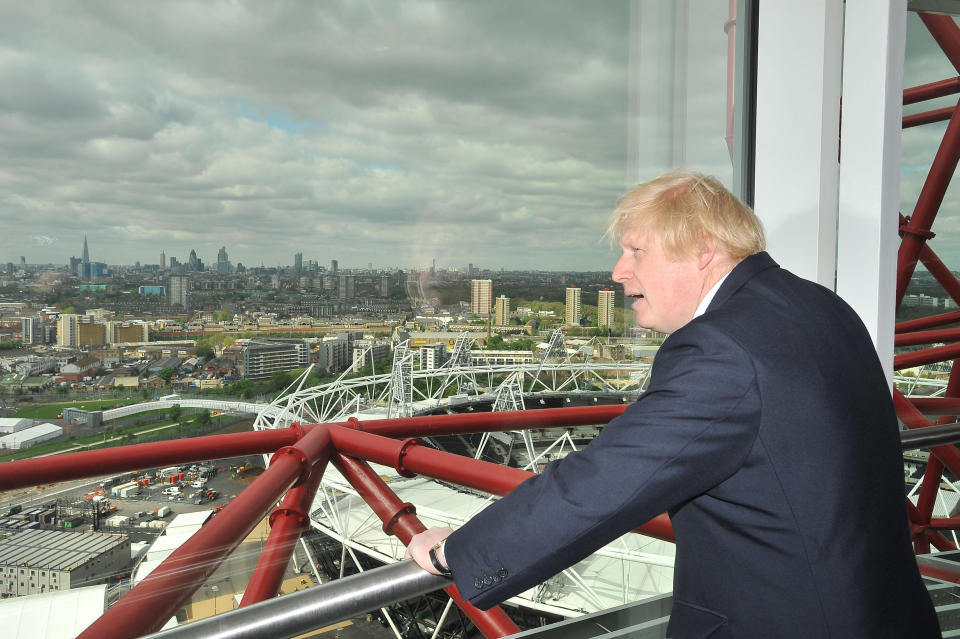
x: 39, y: 561
x: 31, y: 436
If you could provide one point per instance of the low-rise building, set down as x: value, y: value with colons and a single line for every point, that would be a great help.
x: 30, y: 436
x: 39, y: 561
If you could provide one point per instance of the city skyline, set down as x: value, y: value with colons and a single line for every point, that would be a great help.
x: 393, y: 135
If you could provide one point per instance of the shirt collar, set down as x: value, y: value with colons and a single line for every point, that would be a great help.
x: 705, y: 302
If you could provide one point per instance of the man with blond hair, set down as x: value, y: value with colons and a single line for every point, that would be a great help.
x: 767, y: 433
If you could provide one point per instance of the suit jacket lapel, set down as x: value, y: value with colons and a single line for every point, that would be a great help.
x: 740, y: 275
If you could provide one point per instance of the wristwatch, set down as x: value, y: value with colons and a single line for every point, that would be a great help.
x: 435, y: 560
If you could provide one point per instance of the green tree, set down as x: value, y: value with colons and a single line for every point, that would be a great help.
x: 205, y: 351
x: 279, y: 380
x: 175, y: 412
x: 204, y: 418
x: 63, y: 390
x: 165, y: 373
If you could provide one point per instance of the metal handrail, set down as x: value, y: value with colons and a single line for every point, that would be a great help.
x: 929, y: 436
x: 306, y: 610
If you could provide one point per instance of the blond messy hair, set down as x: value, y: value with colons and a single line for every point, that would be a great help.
x: 684, y: 209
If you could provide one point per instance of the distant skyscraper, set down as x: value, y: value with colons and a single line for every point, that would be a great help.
x: 179, y: 291
x: 298, y: 262
x: 384, y: 286
x: 481, y: 297
x: 347, y: 285
x: 572, y: 317
x: 502, y: 317
x: 85, y: 263
x: 28, y: 330
x: 194, y: 261
x: 163, y: 261
x: 223, y: 262
x: 333, y: 267
x: 606, y: 308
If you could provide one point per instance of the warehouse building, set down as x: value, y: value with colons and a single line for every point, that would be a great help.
x: 39, y: 561
x: 30, y: 436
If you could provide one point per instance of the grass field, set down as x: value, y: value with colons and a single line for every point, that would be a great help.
x: 50, y: 411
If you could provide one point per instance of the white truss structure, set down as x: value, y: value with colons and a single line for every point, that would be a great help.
x: 338, y: 512
x: 401, y: 381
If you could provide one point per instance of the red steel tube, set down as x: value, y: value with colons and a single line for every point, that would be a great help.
x: 939, y: 573
x: 945, y: 31
x: 927, y: 117
x: 927, y: 337
x: 926, y: 356
x: 399, y: 519
x: 287, y: 523
x: 411, y: 457
x: 158, y: 597
x: 937, y: 405
x: 928, y: 492
x: 931, y: 90
x: 912, y: 418
x: 40, y: 470
x: 916, y: 231
x: 93, y: 463
x: 940, y: 272
x: 944, y: 523
x: 940, y: 542
x: 485, y: 422
x: 928, y: 322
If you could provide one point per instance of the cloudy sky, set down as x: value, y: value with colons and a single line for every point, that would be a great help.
x: 364, y: 131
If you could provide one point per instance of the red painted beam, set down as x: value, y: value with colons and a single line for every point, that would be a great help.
x: 927, y: 337
x: 399, y: 519
x: 412, y: 457
x: 158, y: 597
x: 486, y: 422
x: 929, y: 489
x: 944, y: 523
x: 931, y: 90
x: 937, y: 405
x: 928, y: 322
x: 927, y: 117
x: 916, y: 231
x: 926, y: 356
x: 940, y: 272
x: 945, y: 31
x: 939, y: 573
x: 94, y: 463
x: 912, y: 418
x: 287, y: 524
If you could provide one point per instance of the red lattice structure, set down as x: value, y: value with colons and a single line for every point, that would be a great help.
x: 915, y: 232
x: 300, y: 455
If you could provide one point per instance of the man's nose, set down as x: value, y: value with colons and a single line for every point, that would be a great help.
x: 621, y: 270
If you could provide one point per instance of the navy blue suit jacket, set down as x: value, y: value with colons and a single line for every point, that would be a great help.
x: 768, y: 434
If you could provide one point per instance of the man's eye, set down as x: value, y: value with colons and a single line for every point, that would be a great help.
x: 634, y: 251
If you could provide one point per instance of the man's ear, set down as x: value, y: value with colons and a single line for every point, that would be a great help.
x: 708, y: 252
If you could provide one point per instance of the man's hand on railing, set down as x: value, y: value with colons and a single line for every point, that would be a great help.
x: 422, y: 543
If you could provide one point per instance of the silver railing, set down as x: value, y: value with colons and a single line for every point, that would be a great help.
x: 306, y: 610
x: 929, y: 436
